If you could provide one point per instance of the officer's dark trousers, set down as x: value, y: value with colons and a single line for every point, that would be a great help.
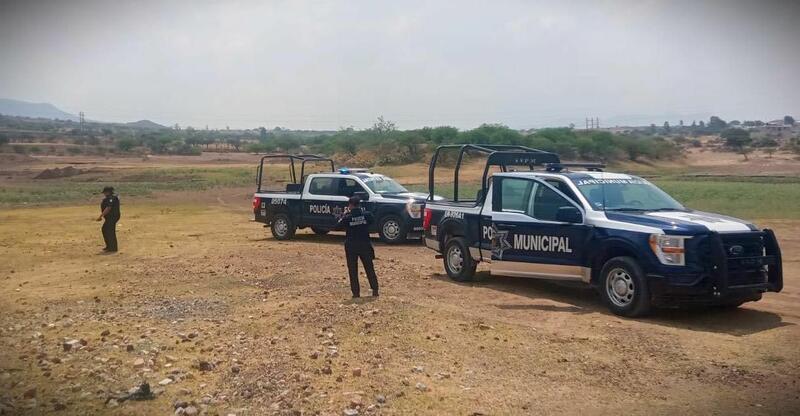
x: 110, y: 233
x: 364, y: 251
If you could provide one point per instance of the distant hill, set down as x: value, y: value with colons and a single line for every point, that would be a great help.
x: 33, y: 110
x: 145, y: 124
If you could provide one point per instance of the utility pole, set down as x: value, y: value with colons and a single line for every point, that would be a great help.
x: 81, y: 120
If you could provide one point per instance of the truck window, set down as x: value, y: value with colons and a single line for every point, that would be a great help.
x: 323, y: 186
x: 564, y: 188
x: 545, y: 203
x: 515, y: 194
x: 348, y: 187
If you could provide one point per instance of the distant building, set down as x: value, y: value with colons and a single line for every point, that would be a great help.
x: 777, y: 126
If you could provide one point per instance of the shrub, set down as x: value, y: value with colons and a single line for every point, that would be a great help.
x: 126, y: 144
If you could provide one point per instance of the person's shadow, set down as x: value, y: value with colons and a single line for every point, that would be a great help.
x: 361, y: 300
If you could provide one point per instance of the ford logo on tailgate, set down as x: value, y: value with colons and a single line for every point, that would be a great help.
x: 736, y: 250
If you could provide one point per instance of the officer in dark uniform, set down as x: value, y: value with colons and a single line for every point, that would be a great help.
x: 357, y: 245
x: 109, y: 211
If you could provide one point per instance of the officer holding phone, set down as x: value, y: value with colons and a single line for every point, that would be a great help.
x: 357, y: 245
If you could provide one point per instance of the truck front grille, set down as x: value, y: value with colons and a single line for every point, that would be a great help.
x: 742, y: 249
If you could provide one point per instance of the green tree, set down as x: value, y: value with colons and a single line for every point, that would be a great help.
x: 3, y: 139
x: 126, y: 144
x: 768, y: 144
x: 412, y: 143
x: 666, y: 127
x: 236, y: 143
x: 383, y: 126
x: 737, y: 139
x: 192, y: 141
x: 716, y: 124
x: 440, y: 135
x: 788, y: 120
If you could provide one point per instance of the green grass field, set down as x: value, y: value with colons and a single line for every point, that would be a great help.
x: 742, y: 197
x: 127, y: 182
x: 735, y: 197
x: 738, y: 196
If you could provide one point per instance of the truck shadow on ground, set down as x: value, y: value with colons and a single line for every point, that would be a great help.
x: 336, y: 239
x: 581, y: 299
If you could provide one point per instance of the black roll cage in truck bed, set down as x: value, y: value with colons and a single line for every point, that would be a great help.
x: 303, y: 158
x: 502, y: 155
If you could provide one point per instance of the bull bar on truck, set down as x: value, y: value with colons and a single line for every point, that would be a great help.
x: 725, y: 266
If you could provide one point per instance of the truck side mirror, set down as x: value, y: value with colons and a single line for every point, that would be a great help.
x: 361, y: 195
x: 569, y: 214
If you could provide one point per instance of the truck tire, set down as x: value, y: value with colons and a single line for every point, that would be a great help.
x: 458, y: 263
x: 320, y: 231
x: 391, y: 230
x: 623, y: 287
x: 283, y: 227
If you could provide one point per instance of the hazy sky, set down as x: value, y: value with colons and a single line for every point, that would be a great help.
x: 323, y: 64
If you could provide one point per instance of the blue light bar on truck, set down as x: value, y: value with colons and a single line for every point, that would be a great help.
x: 345, y: 171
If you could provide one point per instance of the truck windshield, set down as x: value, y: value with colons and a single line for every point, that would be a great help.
x: 631, y: 194
x: 384, y: 185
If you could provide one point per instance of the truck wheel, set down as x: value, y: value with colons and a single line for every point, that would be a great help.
x: 457, y: 261
x: 623, y: 287
x: 320, y: 231
x: 282, y: 227
x: 391, y: 230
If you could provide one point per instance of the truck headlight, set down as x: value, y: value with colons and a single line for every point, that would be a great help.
x: 669, y: 249
x: 414, y: 209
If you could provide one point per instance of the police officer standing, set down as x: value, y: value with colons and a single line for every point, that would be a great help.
x: 357, y: 245
x: 109, y: 211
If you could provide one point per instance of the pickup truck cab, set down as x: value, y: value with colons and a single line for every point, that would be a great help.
x: 634, y: 243
x: 319, y: 200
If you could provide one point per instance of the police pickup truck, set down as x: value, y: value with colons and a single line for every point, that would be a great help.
x: 630, y: 240
x: 319, y: 200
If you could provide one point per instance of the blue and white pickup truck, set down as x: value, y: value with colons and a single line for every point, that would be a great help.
x: 318, y: 201
x: 634, y: 243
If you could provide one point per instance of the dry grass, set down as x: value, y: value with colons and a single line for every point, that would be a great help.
x: 193, y: 263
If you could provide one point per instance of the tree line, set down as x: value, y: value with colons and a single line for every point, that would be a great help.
x: 384, y: 144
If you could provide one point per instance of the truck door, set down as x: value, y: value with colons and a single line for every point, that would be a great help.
x: 327, y: 199
x: 537, y: 231
x: 320, y: 201
x: 346, y: 188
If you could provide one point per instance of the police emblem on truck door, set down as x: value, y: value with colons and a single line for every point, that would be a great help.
x: 499, y: 240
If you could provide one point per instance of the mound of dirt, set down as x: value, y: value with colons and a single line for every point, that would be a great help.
x: 58, y: 173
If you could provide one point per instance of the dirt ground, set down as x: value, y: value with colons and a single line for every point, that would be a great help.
x: 219, y: 318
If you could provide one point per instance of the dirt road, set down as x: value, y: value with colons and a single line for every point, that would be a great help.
x: 220, y: 318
